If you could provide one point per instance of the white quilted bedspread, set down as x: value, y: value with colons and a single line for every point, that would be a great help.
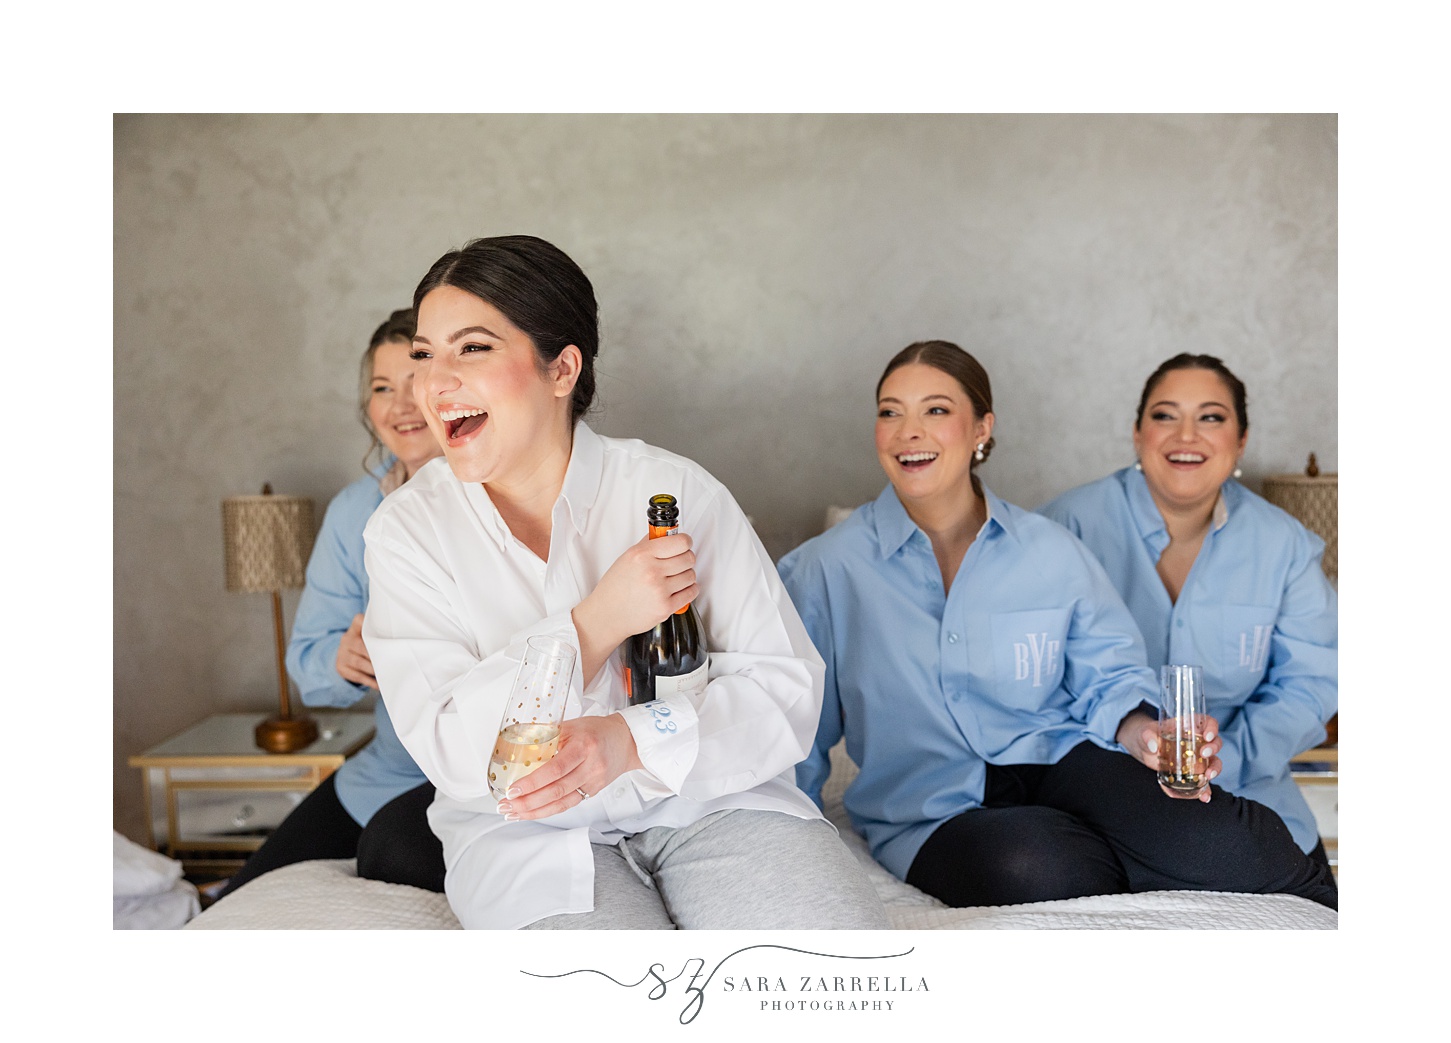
x: 328, y: 895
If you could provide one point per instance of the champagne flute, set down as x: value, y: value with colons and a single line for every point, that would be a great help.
x: 1182, y: 723
x: 529, y: 729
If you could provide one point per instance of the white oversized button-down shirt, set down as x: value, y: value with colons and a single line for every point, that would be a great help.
x: 454, y: 596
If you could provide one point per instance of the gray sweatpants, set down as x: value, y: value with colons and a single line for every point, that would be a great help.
x: 733, y: 870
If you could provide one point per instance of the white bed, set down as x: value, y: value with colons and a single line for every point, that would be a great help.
x: 328, y: 895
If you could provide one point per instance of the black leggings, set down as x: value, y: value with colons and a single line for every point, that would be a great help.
x: 396, y: 847
x: 1097, y: 823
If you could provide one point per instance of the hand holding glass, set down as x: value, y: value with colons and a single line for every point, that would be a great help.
x: 1183, y: 722
x: 529, y: 729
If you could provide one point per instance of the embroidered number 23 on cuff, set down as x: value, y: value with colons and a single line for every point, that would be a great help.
x: 663, y: 723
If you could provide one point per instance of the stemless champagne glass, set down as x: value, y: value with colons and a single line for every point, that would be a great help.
x: 1182, y: 723
x: 529, y: 729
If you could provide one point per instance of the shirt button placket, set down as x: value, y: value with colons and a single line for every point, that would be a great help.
x: 1176, y: 633
x: 951, y: 653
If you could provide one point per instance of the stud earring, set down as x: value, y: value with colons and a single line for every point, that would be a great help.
x: 1138, y: 466
x: 979, y: 455
x: 1238, y: 473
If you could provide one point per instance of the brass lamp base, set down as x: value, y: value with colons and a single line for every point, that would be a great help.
x: 286, y: 734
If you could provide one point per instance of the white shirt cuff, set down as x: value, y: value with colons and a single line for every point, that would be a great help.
x: 667, y: 740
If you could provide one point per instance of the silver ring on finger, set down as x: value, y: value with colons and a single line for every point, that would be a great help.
x: 582, y: 793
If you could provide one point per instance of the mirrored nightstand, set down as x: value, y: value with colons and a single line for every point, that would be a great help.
x: 215, y: 795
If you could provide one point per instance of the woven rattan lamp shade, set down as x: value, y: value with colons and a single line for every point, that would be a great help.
x: 1314, y: 501
x: 266, y: 542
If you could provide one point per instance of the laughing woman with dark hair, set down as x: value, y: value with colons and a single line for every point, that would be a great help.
x: 1215, y: 575
x: 680, y: 812
x: 990, y: 685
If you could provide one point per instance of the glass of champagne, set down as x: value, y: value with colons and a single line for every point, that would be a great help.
x: 529, y: 729
x: 1182, y: 723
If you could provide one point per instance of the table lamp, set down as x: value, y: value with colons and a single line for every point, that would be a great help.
x: 266, y: 541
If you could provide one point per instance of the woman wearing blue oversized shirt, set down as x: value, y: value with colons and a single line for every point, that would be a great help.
x: 1217, y: 576
x: 987, y: 679
x: 381, y: 785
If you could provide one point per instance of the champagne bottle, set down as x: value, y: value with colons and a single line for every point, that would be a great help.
x: 669, y: 658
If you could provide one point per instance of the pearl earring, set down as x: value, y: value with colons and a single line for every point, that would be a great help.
x: 1238, y: 473
x: 979, y: 455
x: 1138, y: 466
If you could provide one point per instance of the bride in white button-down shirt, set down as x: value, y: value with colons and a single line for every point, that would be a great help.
x: 533, y: 524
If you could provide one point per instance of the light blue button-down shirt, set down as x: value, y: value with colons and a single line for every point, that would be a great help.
x: 1028, y: 655
x: 337, y: 590
x: 1256, y: 612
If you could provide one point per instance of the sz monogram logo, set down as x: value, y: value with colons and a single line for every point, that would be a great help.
x: 1030, y: 658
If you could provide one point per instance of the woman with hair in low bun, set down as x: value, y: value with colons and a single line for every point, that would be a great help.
x: 1217, y: 576
x: 356, y: 810
x: 678, y: 812
x: 992, y: 688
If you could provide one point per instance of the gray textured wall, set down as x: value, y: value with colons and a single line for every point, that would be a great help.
x: 754, y: 274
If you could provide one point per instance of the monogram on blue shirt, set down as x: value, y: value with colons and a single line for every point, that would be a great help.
x: 1029, y: 651
x: 1248, y: 628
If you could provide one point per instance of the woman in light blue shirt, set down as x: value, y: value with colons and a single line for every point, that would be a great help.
x: 1217, y: 576
x: 327, y: 659
x: 991, y: 686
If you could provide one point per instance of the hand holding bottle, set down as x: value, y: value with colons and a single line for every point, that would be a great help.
x: 669, y: 658
x: 648, y: 582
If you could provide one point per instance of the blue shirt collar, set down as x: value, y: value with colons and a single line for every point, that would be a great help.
x: 378, y: 470
x: 894, y: 526
x: 1145, y: 512
x: 1147, y: 518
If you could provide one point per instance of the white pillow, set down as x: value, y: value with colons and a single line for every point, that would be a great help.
x: 148, y: 892
x: 140, y: 871
x: 836, y: 513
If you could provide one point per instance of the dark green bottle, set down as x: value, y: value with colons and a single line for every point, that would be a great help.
x: 670, y: 658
